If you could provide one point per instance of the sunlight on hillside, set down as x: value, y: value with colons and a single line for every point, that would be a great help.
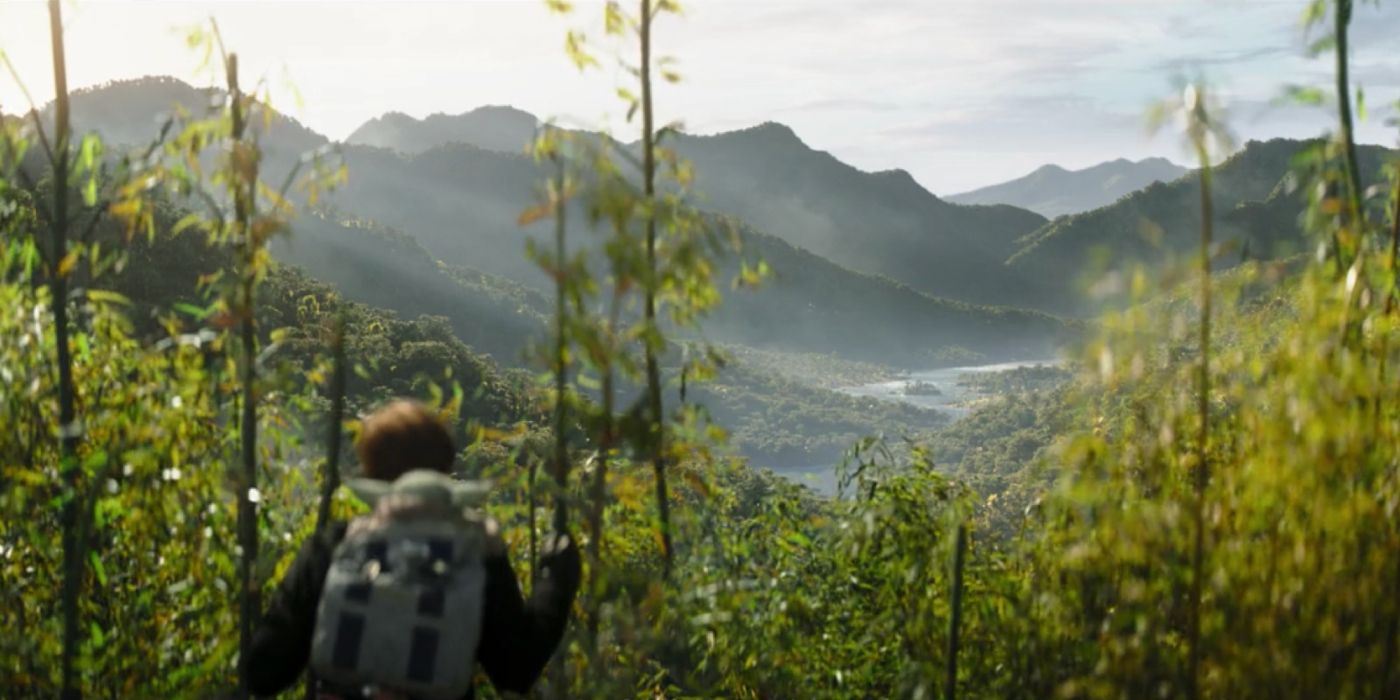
x: 621, y: 349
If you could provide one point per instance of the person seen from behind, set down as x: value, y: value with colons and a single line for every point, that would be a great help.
x: 407, y: 601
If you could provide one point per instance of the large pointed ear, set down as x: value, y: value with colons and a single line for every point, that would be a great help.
x: 369, y: 490
x: 470, y: 494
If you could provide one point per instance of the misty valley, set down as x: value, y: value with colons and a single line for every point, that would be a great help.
x: 713, y: 411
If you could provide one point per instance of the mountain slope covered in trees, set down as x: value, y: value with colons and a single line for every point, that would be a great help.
x: 1053, y: 191
x: 1202, y: 503
x: 495, y: 128
x: 456, y: 206
x: 883, y: 223
x: 1256, y: 215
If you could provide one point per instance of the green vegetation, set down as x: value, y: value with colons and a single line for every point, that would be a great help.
x: 881, y: 223
x: 457, y: 204
x: 1020, y: 379
x: 384, y: 268
x: 921, y: 389
x: 1207, y: 506
x: 812, y: 369
x: 1162, y: 221
x: 777, y: 421
x: 504, y: 129
x: 810, y: 303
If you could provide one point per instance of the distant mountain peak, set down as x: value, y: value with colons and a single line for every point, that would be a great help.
x: 903, y: 179
x: 490, y: 127
x: 766, y: 132
x: 1052, y: 190
x: 396, y: 117
x: 130, y: 112
x: 773, y: 127
x: 505, y: 110
x: 147, y: 81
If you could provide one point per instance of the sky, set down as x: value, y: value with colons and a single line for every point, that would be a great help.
x: 960, y: 94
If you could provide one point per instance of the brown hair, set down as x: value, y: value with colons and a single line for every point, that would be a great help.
x: 403, y: 435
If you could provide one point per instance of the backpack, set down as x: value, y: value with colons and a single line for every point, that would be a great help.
x: 401, y: 607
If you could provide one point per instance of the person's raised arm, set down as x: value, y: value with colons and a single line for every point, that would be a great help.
x: 282, y: 641
x: 518, y: 636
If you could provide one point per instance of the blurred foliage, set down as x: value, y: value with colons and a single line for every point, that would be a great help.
x: 1081, y: 495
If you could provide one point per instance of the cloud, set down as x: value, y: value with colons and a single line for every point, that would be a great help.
x: 959, y: 93
x: 1223, y: 57
x: 846, y: 104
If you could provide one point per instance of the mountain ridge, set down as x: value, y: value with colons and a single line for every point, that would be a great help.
x: 1054, y: 191
x: 492, y: 127
x: 1254, y: 211
x: 881, y: 222
x: 460, y: 204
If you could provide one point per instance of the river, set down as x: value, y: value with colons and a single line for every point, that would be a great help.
x: 937, y: 389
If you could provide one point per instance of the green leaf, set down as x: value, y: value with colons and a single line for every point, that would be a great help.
x: 1323, y: 45
x: 1303, y: 95
x: 195, y: 312
x: 106, y: 296
x: 97, y: 569
x: 87, y: 154
x: 1314, y: 13
x: 185, y: 222
x: 96, y: 460
x: 613, y: 19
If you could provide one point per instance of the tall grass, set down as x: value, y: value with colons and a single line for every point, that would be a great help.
x: 69, y: 429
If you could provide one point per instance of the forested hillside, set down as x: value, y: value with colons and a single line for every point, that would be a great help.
x: 1202, y: 502
x: 456, y: 204
x: 882, y: 223
x: 495, y: 128
x: 879, y: 223
x: 1160, y: 223
x: 1053, y: 191
x: 388, y: 269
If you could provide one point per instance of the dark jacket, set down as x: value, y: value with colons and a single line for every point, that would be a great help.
x: 517, y: 636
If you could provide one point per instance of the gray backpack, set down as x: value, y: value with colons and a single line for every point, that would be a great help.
x: 402, y: 603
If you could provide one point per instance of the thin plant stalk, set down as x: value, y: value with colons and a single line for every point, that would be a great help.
x: 1390, y: 683
x: 950, y: 678
x: 330, y: 474
x: 243, y: 191
x: 1384, y: 359
x: 330, y: 469
x: 559, y: 365
x: 1202, y: 474
x: 1394, y: 245
x: 73, y: 568
x: 531, y: 504
x: 600, y: 485
x: 653, y: 373
x: 561, y: 340
x: 1353, y: 176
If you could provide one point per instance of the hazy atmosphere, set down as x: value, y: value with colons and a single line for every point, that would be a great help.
x: 673, y: 349
x: 961, y: 95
